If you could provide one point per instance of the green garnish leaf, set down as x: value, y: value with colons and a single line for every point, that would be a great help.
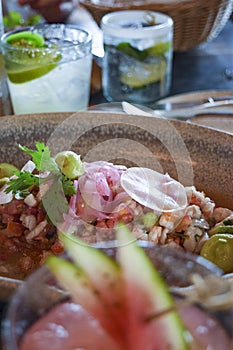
x: 42, y: 158
x: 20, y: 185
x: 68, y: 186
x: 54, y: 200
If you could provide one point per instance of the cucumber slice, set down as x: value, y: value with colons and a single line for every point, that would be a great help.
x: 218, y: 249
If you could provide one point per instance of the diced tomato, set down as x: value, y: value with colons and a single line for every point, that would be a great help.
x: 125, y: 215
x: 15, y: 229
x: 15, y: 207
x: 57, y: 247
x: 5, y: 218
x: 3, y: 236
x: 111, y: 223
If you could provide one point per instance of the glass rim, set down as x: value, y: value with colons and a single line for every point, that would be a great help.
x: 111, y: 24
x: 37, y: 28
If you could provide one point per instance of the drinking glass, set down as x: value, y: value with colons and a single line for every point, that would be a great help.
x: 54, y: 77
x: 137, y: 63
x: 40, y: 294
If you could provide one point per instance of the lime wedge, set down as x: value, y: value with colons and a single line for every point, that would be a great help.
x: 159, y: 49
x: 19, y: 77
x: 30, y: 64
x: 131, y: 51
x: 25, y: 39
x: 147, y: 74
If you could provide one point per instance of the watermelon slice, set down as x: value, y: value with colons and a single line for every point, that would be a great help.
x: 152, y: 318
x: 128, y: 297
x: 84, y: 292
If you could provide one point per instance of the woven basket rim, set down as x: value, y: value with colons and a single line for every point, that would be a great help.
x: 195, y: 21
x: 180, y: 4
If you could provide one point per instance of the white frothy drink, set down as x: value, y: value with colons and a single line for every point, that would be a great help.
x: 63, y: 89
x: 48, y: 76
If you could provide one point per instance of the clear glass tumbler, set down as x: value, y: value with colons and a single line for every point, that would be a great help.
x: 137, y: 64
x: 52, y: 75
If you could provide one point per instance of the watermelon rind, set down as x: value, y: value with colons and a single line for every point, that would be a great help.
x: 147, y: 295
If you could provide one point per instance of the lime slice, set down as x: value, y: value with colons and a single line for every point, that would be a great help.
x: 218, y: 249
x: 28, y: 65
x: 147, y: 74
x: 159, y: 49
x: 19, y: 77
x: 131, y: 51
x: 25, y: 39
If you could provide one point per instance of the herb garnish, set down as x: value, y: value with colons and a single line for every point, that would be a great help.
x: 54, y: 200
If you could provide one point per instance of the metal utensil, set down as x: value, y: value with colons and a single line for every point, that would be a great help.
x: 168, y: 105
x: 219, y: 107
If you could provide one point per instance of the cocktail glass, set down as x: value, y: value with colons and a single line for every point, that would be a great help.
x: 40, y: 294
x: 51, y: 78
x: 137, y: 63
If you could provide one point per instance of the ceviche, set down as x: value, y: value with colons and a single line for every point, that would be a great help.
x: 63, y: 194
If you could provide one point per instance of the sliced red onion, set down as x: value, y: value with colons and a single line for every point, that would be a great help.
x: 100, y: 187
x: 154, y: 190
x: 29, y: 166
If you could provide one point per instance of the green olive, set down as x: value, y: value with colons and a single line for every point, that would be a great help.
x: 7, y: 170
x: 70, y: 164
x: 219, y: 250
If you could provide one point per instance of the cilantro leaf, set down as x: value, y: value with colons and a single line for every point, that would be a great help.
x: 20, y: 185
x: 42, y: 158
x: 68, y: 186
x: 54, y: 200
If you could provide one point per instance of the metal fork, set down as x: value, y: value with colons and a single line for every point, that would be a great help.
x: 215, y: 107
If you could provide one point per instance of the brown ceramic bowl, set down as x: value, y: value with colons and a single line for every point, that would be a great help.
x: 193, y: 154
x: 190, y: 153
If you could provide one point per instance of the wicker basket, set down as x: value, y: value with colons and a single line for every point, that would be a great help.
x: 195, y: 21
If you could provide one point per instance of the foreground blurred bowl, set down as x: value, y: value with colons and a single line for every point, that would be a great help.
x: 37, y: 296
x: 194, y: 21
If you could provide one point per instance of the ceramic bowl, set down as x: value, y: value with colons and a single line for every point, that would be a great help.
x: 193, y: 154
